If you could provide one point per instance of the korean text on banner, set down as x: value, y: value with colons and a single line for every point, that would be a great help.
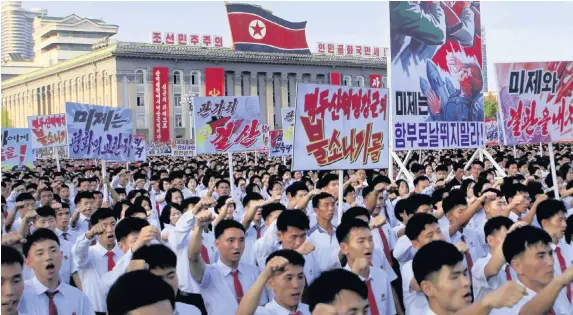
x: 437, y: 83
x: 17, y: 148
x: 184, y: 147
x: 161, y: 104
x: 536, y: 102
x: 227, y: 124
x: 288, y: 124
x: 278, y: 147
x: 340, y: 127
x: 140, y: 147
x: 159, y: 149
x: 99, y: 132
x: 491, y: 131
x: 48, y: 131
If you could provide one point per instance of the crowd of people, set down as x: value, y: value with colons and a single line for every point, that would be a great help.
x: 174, y: 235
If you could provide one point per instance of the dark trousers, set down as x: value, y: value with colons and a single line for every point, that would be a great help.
x: 192, y: 299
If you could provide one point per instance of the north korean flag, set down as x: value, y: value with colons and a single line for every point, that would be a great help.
x: 256, y: 29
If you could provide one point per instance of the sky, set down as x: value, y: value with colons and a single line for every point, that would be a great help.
x: 515, y: 31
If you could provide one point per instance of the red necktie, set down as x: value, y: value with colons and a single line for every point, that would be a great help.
x: 371, y: 299
x: 297, y: 313
x: 258, y: 228
x: 507, y: 273
x: 469, y: 261
x: 552, y: 312
x: 238, y: 286
x: 563, y: 267
x: 110, y: 262
x: 52, y: 309
x: 386, y: 245
x: 205, y: 254
x: 157, y: 207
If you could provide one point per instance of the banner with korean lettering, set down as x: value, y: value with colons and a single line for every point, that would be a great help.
x: 159, y: 149
x: 536, y: 101
x: 491, y: 131
x: 48, y: 131
x: 437, y: 82
x: 184, y: 147
x: 340, y: 128
x: 278, y: 147
x: 17, y: 148
x: 161, y: 104
x: 140, y: 147
x: 99, y: 132
x: 227, y: 124
x: 288, y: 123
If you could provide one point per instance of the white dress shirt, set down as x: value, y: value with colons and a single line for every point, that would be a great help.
x: 218, y: 288
x: 186, y: 309
x: 326, y: 247
x: 567, y: 254
x: 561, y: 306
x: 249, y: 256
x: 273, y: 308
x: 68, y: 300
x: 82, y: 226
x: 414, y: 301
x: 403, y: 251
x: 72, y: 237
x: 481, y: 285
x: 381, y: 289
x: 91, y: 262
x: 67, y: 269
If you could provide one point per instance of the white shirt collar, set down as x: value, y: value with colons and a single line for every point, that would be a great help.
x: 40, y: 288
x: 224, y: 269
x: 347, y: 267
x: 278, y: 309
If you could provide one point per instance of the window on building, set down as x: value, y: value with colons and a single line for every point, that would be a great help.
x: 179, y: 121
x: 177, y: 100
x: 140, y: 100
x: 139, y: 77
x: 320, y: 79
x: 226, y: 87
x: 347, y: 81
x: 360, y: 81
x: 141, y: 121
x: 194, y: 78
x: 176, y: 78
x: 243, y: 82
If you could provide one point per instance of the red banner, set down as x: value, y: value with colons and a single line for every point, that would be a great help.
x: 214, y: 82
x: 375, y: 81
x: 161, y: 104
x: 335, y: 78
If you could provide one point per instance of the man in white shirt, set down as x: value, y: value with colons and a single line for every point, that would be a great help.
x: 161, y: 261
x: 338, y: 291
x: 227, y: 279
x: 12, y: 280
x: 491, y: 271
x: 46, y: 293
x: 94, y: 261
x: 63, y: 216
x: 80, y: 222
x: 551, y: 216
x: 529, y: 253
x: 284, y: 274
x: 141, y: 292
x: 323, y: 234
x: 421, y: 230
x: 252, y: 221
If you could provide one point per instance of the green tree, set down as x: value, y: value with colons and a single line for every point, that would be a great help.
x: 6, y: 121
x: 491, y: 106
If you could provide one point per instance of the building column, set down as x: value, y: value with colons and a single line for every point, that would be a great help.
x: 293, y: 81
x: 269, y: 99
x: 284, y: 90
x: 229, y: 84
x: 253, y: 84
x: 262, y: 91
x: 237, y: 81
x: 313, y: 78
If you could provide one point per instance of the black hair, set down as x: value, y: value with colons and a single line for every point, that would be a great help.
x: 118, y: 207
x: 432, y: 257
x: 380, y: 179
x: 513, y: 189
x: 348, y: 190
x: 294, y: 218
x: 222, y: 181
x: 441, y: 168
x: 133, y: 209
x: 420, y: 179
x: 83, y: 195
x: 316, y: 199
x: 517, y: 242
x: 416, y: 167
x: 270, y: 208
x: 295, y: 187
x: 251, y: 197
x: 221, y: 202
x: 11, y: 256
x: 137, y: 289
x: 479, y: 186
x: 25, y: 196
x: 326, y: 287
x: 164, y: 218
x: 38, y: 236
x: 227, y: 224
x: 478, y: 162
x: 189, y: 201
x: 101, y: 214
x: 120, y: 190
x: 438, y: 195
x: 129, y: 225
x: 465, y: 184
x: 46, y: 211
x: 457, y: 166
x: 325, y: 180
x: 453, y: 200
x: 294, y: 258
x: 272, y: 185
x: 344, y: 229
x: 569, y: 229
x: 132, y: 194
x: 139, y: 201
x: 417, y: 224
x: 417, y: 200
x: 548, y: 209
x: 156, y: 256
x: 495, y: 224
x: 169, y: 194
x: 355, y: 212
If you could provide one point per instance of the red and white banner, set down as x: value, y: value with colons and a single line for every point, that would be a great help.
x: 214, y: 82
x: 48, y: 131
x: 160, y: 104
x: 375, y: 81
x: 335, y: 78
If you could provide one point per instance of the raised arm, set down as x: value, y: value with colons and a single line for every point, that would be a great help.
x: 196, y: 263
x: 252, y: 209
x: 470, y: 211
x: 506, y: 296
